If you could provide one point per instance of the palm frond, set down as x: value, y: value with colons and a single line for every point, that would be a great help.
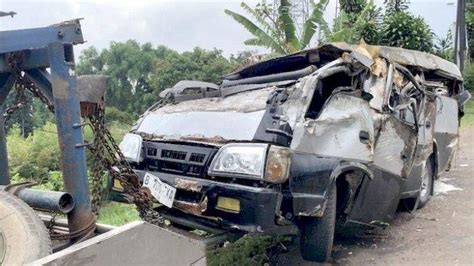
x: 364, y: 15
x: 288, y: 25
x: 254, y: 42
x: 341, y: 36
x: 311, y: 24
x: 258, y: 18
x: 264, y: 38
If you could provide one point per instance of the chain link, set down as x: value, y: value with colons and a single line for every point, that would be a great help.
x: 22, y: 83
x: 106, y: 151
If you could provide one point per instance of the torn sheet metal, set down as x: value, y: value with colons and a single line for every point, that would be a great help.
x: 375, y: 86
x: 395, y: 146
x: 344, y: 129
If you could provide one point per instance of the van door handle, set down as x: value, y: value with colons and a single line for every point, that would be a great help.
x: 364, y: 137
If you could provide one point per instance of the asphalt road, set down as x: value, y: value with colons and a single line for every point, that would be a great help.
x: 442, y: 233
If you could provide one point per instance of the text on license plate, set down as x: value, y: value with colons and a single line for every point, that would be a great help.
x: 163, y: 192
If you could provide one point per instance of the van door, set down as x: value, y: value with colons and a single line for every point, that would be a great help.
x: 394, y: 152
x: 446, y: 130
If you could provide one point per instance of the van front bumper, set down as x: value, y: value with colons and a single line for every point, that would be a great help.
x: 223, y: 205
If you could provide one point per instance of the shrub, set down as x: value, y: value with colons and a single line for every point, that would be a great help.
x: 469, y: 77
x: 33, y: 157
x: 405, y: 30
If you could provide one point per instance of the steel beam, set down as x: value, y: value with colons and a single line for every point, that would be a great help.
x: 30, y: 39
x: 6, y: 82
x: 71, y: 142
x: 4, y: 172
x: 31, y: 59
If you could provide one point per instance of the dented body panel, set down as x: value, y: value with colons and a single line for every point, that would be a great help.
x: 366, y: 118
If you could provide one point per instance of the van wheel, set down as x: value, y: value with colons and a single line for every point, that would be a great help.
x: 426, y: 185
x: 317, y: 234
x: 23, y: 236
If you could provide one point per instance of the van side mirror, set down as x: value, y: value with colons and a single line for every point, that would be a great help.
x: 463, y: 97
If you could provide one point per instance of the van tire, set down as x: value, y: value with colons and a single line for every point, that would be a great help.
x: 23, y: 236
x: 423, y: 198
x: 317, y: 233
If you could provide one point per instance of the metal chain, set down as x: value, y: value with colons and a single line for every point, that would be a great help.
x: 22, y: 83
x: 108, y: 153
x: 97, y: 169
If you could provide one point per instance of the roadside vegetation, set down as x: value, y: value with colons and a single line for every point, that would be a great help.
x: 117, y: 214
x: 468, y: 120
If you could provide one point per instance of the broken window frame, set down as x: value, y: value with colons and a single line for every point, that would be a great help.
x: 415, y: 105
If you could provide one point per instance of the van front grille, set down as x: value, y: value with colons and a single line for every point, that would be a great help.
x: 178, y: 159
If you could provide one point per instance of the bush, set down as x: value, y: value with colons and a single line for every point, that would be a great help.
x: 114, y: 114
x: 469, y: 77
x: 402, y: 29
x: 36, y: 157
x: 33, y: 157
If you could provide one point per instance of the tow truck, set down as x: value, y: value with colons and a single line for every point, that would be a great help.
x: 41, y: 61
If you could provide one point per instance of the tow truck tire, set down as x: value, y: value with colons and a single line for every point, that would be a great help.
x: 23, y: 236
x: 317, y: 234
x: 427, y: 184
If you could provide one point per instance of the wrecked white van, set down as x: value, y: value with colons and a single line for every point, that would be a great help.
x: 287, y: 145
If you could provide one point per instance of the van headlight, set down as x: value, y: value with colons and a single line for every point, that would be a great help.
x: 131, y: 147
x: 253, y: 161
x: 278, y: 164
x: 246, y: 160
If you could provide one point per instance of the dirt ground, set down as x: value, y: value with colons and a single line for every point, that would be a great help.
x: 442, y: 233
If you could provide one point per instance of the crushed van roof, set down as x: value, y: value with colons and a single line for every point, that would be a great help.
x: 401, y: 56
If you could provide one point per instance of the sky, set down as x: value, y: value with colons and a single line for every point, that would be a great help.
x: 179, y: 24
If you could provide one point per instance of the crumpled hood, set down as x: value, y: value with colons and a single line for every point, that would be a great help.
x: 236, y: 117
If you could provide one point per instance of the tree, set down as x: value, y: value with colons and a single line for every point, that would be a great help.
x: 470, y: 28
x: 353, y: 25
x: 198, y: 64
x: 444, y: 46
x: 396, y: 5
x: 403, y: 29
x: 352, y: 6
x: 280, y: 35
x: 139, y: 72
x: 89, y: 62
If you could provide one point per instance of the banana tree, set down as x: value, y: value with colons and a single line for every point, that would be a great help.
x: 279, y: 33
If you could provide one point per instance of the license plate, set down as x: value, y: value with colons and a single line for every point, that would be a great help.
x: 162, y: 192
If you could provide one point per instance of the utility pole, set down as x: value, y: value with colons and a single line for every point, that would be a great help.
x: 460, y: 36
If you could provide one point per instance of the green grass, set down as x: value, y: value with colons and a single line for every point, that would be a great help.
x: 115, y: 213
x: 468, y: 119
x: 248, y: 250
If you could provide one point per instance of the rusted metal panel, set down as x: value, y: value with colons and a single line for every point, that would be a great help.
x: 91, y: 88
x: 137, y: 243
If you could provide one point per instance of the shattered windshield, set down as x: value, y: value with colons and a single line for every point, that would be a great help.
x: 235, y: 117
